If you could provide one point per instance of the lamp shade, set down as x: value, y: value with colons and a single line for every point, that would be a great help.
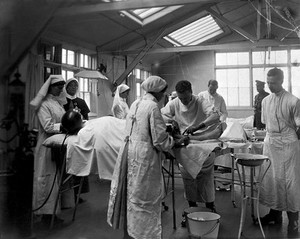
x: 91, y: 74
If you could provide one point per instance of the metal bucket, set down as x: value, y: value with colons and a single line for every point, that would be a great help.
x: 203, y: 225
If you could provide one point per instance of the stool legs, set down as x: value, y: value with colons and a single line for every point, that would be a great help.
x: 245, y: 197
x: 78, y: 197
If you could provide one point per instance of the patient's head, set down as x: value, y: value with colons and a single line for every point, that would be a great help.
x: 72, y: 121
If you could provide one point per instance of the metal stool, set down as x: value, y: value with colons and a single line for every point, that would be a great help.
x: 243, y: 160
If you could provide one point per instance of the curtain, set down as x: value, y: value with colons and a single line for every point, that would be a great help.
x: 34, y: 81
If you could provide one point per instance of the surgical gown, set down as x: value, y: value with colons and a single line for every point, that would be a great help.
x: 147, y: 139
x: 281, y: 185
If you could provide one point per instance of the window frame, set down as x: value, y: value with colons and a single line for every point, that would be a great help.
x: 91, y: 64
x: 287, y: 76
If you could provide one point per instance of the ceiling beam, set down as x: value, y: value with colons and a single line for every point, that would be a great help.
x: 258, y: 20
x: 128, y: 5
x: 233, y: 26
x: 245, y: 45
x: 137, y: 59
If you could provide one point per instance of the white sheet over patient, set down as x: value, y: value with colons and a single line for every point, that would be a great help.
x: 97, y: 143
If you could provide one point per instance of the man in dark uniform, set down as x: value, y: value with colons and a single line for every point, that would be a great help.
x: 260, y: 87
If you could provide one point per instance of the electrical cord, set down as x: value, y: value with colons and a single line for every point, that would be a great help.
x: 55, y: 175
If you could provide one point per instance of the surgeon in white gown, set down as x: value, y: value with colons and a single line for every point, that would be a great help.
x: 142, y: 155
x: 281, y: 186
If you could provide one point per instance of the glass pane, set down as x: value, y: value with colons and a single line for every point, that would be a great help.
x: 80, y: 95
x: 296, y: 81
x: 258, y: 57
x: 70, y: 74
x: 232, y: 76
x: 243, y: 75
x: 64, y: 56
x: 221, y: 59
x: 64, y: 74
x: 233, y: 96
x: 138, y: 73
x: 259, y: 74
x: 221, y: 77
x: 71, y: 57
x: 281, y: 57
x: 223, y: 92
x: 243, y: 58
x: 145, y: 75
x: 87, y: 99
x: 295, y: 56
x: 86, y: 61
x: 244, y: 96
x: 232, y: 58
x: 85, y: 84
x: 81, y: 60
x: 81, y: 84
x: 138, y: 90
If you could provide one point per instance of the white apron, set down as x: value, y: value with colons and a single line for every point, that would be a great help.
x: 281, y: 185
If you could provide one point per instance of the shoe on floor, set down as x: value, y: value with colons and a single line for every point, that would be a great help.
x: 270, y: 219
x: 211, y: 206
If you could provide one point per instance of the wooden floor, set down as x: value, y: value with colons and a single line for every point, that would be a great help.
x: 90, y: 222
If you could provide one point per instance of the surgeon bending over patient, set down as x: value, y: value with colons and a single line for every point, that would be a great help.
x: 189, y: 112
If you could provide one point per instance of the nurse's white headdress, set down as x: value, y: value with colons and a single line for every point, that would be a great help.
x: 36, y: 102
x: 70, y: 80
x: 118, y: 101
x: 154, y: 84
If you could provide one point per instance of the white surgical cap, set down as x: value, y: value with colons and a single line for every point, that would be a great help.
x: 154, y: 84
x: 70, y: 80
x: 122, y: 88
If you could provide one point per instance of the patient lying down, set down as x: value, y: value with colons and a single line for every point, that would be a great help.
x: 100, y: 139
x: 72, y: 123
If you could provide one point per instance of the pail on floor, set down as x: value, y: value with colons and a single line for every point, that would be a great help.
x: 203, y: 225
x: 194, y: 209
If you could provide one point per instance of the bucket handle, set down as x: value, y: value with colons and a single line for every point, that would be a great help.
x: 210, y: 230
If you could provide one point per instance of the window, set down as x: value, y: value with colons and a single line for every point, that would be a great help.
x: 87, y: 88
x: 140, y: 76
x: 295, y: 72
x: 147, y: 15
x: 84, y: 90
x: 236, y: 73
x: 68, y: 57
x: 85, y: 61
x: 234, y: 86
x: 194, y: 33
x: 234, y: 78
x: 269, y: 57
x: 67, y: 74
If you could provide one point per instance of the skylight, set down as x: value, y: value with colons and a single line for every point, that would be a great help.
x: 147, y: 15
x: 144, y: 16
x: 194, y: 33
